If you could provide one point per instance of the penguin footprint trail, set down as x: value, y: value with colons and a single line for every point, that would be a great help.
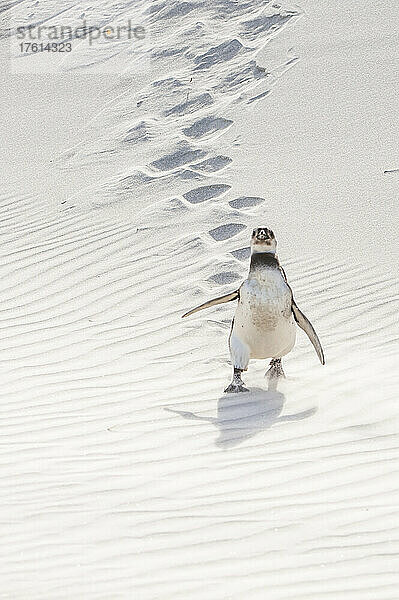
x: 264, y: 325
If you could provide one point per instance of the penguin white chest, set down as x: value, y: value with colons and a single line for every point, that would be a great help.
x: 263, y: 320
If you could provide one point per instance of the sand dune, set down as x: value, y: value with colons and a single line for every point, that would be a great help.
x: 126, y: 472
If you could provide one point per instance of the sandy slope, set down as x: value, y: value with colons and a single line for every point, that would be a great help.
x: 126, y: 473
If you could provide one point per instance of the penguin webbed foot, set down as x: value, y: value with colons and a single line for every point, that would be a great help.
x: 235, y: 388
x: 275, y: 370
x: 237, y: 385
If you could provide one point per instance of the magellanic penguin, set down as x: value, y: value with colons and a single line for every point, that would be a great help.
x: 264, y: 324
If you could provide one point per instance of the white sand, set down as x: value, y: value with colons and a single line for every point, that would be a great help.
x: 126, y: 472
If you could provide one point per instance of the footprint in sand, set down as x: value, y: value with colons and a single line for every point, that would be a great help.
x: 246, y: 201
x: 224, y: 277
x: 242, y: 253
x: 224, y: 232
x: 138, y: 134
x: 265, y: 24
x: 219, y: 54
x: 210, y: 165
x: 182, y: 156
x: 207, y: 126
x: 179, y: 10
x: 206, y: 192
x: 190, y: 106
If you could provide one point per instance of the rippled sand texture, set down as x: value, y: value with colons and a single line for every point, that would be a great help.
x: 126, y: 472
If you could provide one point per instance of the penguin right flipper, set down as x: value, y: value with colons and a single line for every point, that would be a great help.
x: 220, y: 300
x: 308, y: 328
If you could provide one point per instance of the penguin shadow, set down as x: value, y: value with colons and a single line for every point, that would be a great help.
x: 242, y: 416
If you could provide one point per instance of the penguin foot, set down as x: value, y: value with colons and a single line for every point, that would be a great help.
x: 235, y: 388
x: 275, y: 370
x: 236, y: 384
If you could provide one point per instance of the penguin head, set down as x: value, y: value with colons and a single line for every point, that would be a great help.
x: 263, y: 240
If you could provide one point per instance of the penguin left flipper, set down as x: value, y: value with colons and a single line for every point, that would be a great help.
x: 220, y: 300
x: 308, y: 328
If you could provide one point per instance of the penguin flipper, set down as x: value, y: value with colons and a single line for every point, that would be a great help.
x: 308, y: 328
x: 219, y: 300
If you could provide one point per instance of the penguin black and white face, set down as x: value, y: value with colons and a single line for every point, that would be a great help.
x: 263, y: 240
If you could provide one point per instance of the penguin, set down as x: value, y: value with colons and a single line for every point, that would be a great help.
x: 264, y: 324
